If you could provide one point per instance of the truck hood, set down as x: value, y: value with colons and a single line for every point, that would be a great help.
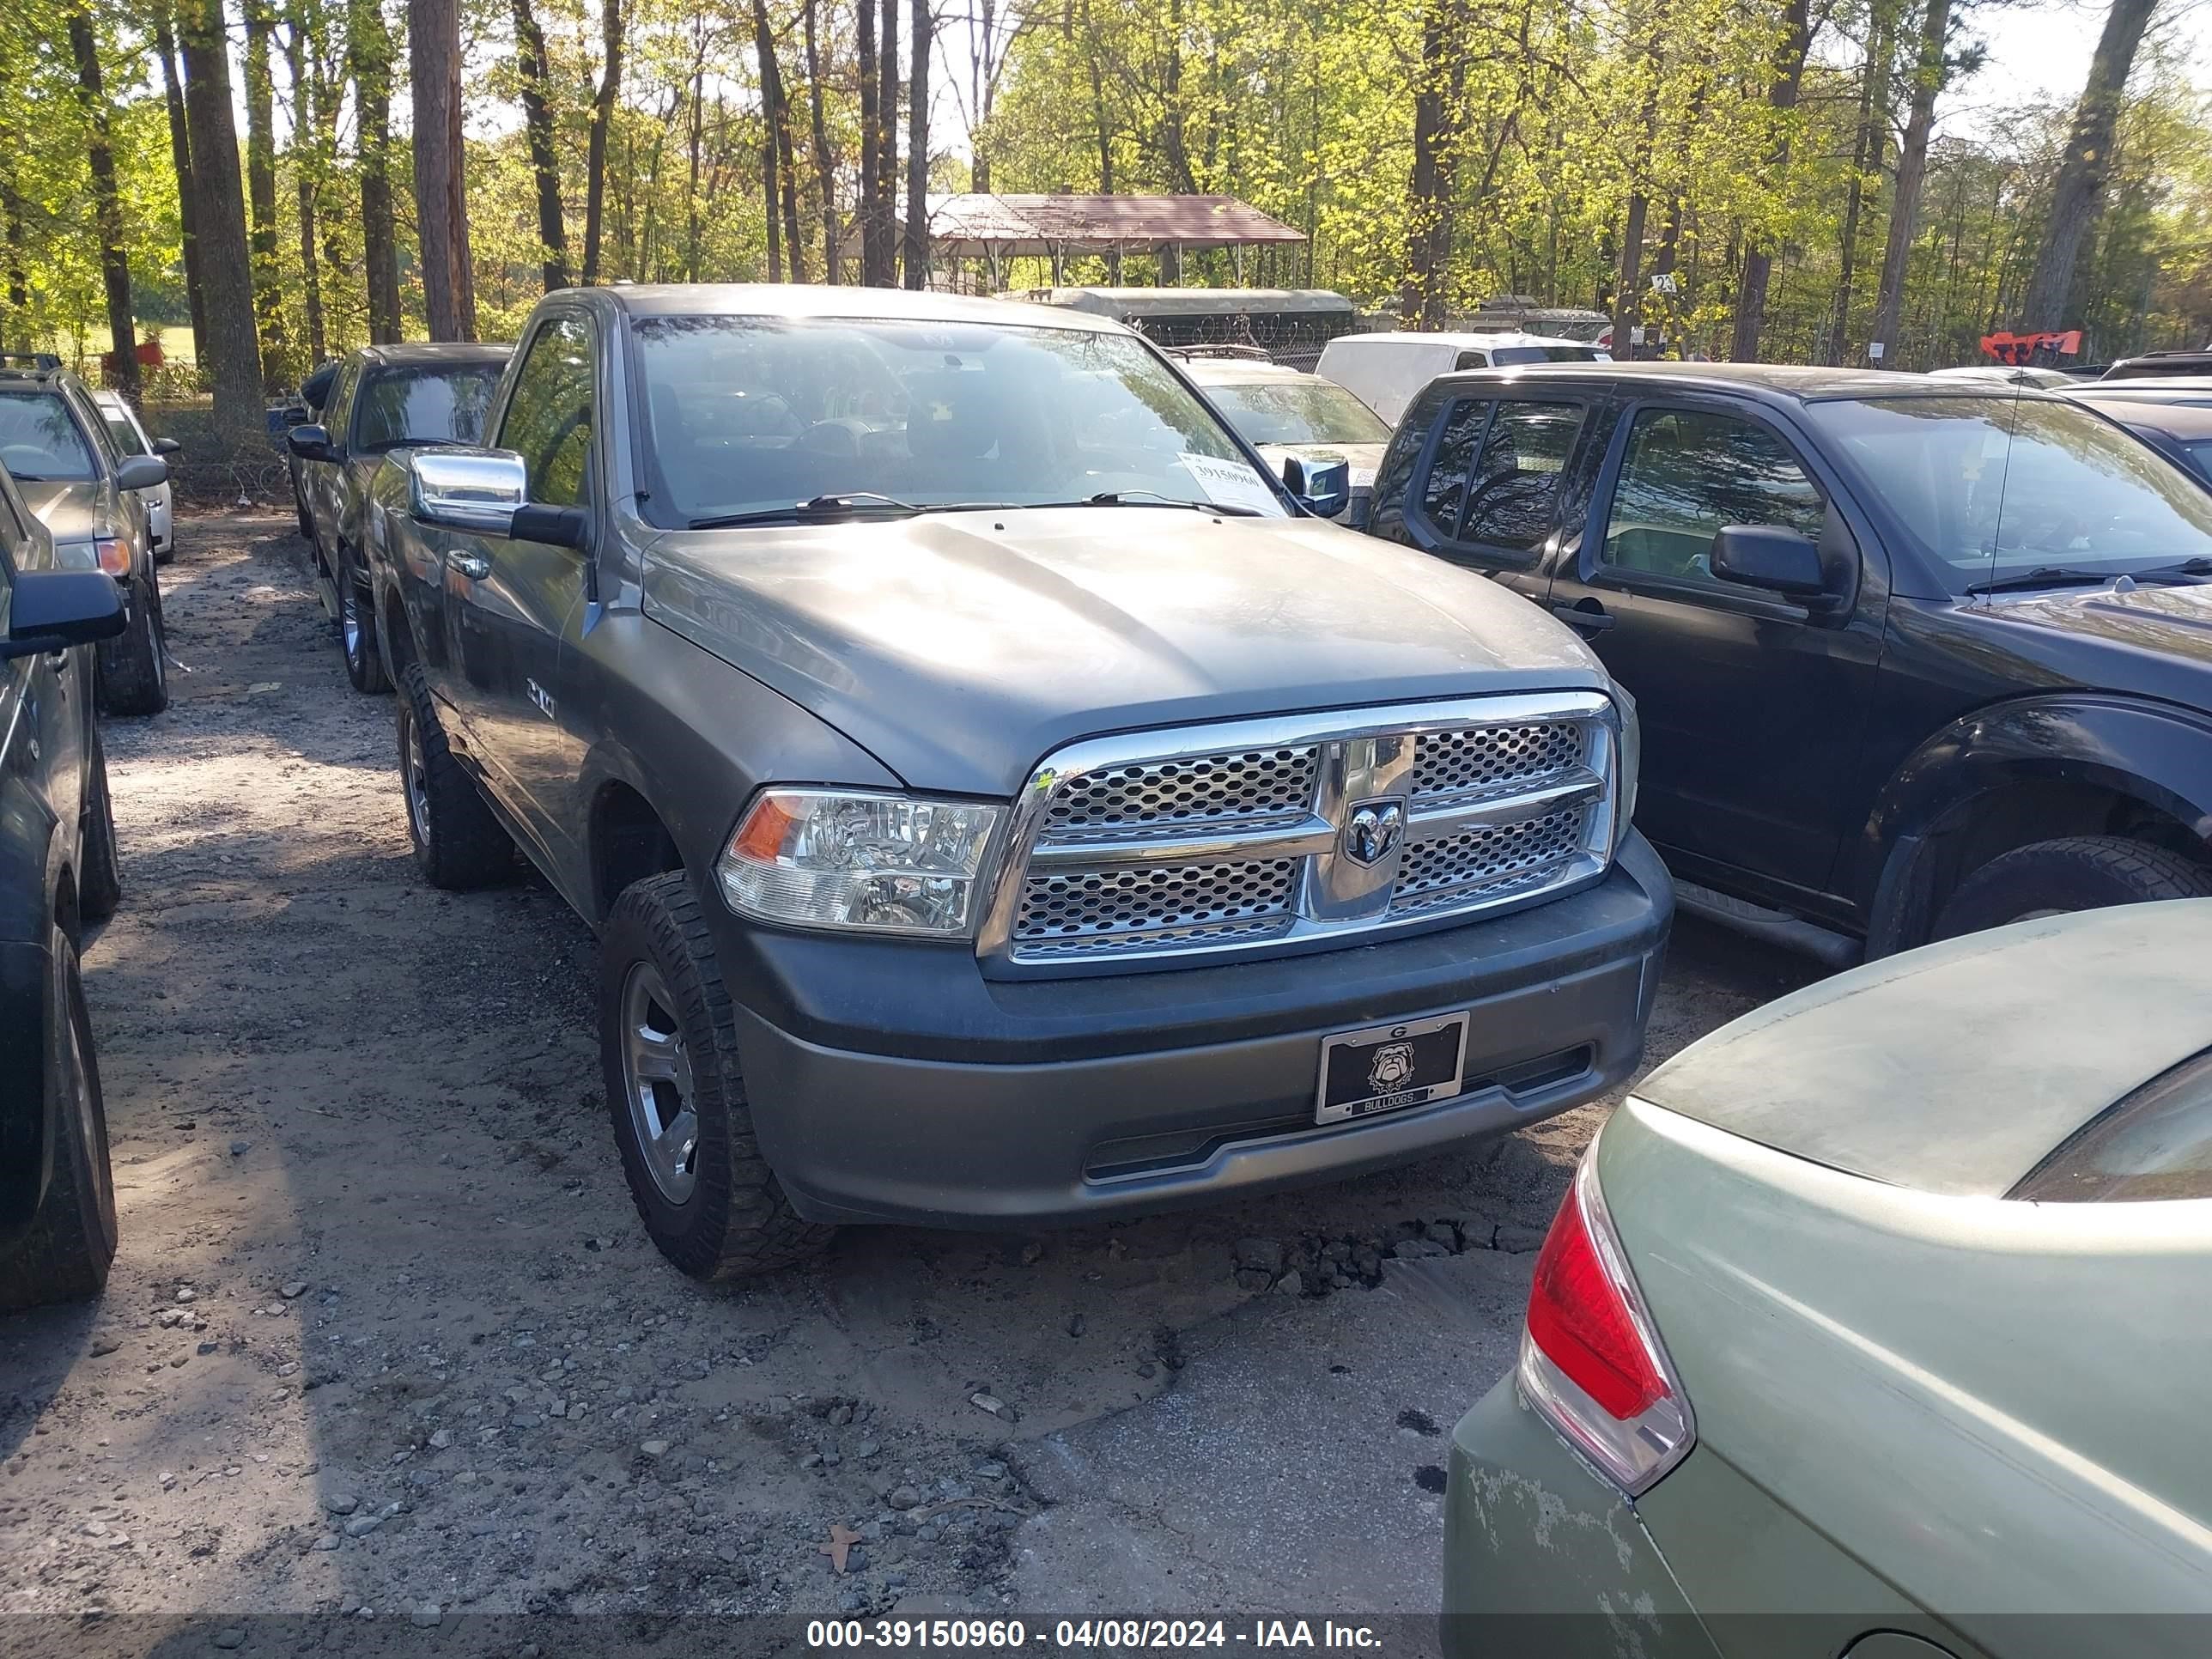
x: 2175, y: 620
x: 961, y: 648
x: 1958, y: 1067
x: 69, y: 511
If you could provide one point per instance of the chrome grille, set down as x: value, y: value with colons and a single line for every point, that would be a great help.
x: 1251, y: 783
x: 1439, y: 871
x: 1491, y: 757
x: 1262, y: 834
x: 1126, y: 901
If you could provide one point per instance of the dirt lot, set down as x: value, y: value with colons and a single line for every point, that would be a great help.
x: 385, y: 1339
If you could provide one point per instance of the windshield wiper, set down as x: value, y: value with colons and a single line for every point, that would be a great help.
x: 2199, y: 566
x: 2044, y: 575
x: 820, y: 508
x: 1148, y: 498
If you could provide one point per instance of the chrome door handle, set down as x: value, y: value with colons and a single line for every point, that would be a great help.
x: 474, y: 565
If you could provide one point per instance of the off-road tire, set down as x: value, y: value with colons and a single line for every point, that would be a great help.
x: 100, y: 867
x: 364, y: 661
x: 134, y: 672
x: 65, y: 1255
x: 737, y: 1223
x: 459, y: 844
x: 2075, y: 872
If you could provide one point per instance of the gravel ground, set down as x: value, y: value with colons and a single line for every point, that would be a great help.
x: 385, y: 1340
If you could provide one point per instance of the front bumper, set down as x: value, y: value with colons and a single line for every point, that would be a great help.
x: 892, y: 1082
x: 1541, y: 1555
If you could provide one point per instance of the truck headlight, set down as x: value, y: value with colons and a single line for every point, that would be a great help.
x: 849, y: 858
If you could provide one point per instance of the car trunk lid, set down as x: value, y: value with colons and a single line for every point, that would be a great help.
x: 1957, y: 1068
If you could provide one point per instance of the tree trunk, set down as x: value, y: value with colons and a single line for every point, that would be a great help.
x: 1782, y: 97
x: 794, y: 242
x: 261, y: 194
x: 825, y: 158
x: 887, y: 145
x: 1429, y: 189
x: 1628, y: 279
x: 1927, y: 74
x: 771, y: 152
x: 1866, y: 159
x: 114, y: 260
x: 441, y: 227
x: 2075, y: 198
x: 180, y: 158
x: 917, y: 149
x: 544, y: 161
x: 309, y: 133
x: 230, y: 352
x: 864, y: 209
x: 369, y: 53
x: 603, y: 115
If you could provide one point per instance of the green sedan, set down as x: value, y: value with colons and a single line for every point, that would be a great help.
x: 1874, y: 1321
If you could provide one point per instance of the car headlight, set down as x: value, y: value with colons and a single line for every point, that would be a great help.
x: 849, y: 858
x: 1631, y: 762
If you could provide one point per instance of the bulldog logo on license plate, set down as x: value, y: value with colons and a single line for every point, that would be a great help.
x: 1386, y: 1068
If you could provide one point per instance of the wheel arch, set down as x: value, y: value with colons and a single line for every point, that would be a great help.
x: 627, y: 838
x: 2025, y: 770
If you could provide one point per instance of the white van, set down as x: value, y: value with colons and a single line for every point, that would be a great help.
x: 1385, y: 371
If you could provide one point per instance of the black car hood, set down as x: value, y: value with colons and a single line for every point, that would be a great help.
x: 2171, y: 622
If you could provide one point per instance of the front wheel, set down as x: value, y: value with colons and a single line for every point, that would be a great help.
x: 2073, y: 873
x: 134, y: 670
x: 458, y: 843
x: 668, y: 1038
x: 72, y: 1243
x: 357, y: 628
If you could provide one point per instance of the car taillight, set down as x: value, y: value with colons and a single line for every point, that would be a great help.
x: 1591, y: 1360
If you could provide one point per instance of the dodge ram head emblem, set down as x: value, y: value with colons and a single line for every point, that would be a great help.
x: 1373, y: 830
x: 1392, y: 1065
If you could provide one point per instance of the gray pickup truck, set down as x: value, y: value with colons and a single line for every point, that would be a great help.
x: 999, y: 800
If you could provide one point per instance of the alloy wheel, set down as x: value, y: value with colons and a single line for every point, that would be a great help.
x: 656, y: 1083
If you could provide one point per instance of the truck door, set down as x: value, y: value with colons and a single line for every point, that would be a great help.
x: 511, y: 605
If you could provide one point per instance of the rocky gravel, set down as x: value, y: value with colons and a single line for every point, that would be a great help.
x: 384, y: 1338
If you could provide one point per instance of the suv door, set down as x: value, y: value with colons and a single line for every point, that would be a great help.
x: 1754, y: 704
x: 322, y: 482
x: 512, y: 605
x: 42, y: 719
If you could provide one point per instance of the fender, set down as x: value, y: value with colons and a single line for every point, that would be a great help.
x: 2157, y: 753
x: 27, y: 1003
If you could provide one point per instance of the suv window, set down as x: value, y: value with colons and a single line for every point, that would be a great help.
x: 40, y: 443
x: 2155, y: 1143
x: 1444, y: 492
x: 549, y: 418
x: 1687, y: 473
x: 1515, y: 489
x: 121, y: 434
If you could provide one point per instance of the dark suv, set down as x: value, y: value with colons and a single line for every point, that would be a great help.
x: 1914, y: 657
x: 57, y: 869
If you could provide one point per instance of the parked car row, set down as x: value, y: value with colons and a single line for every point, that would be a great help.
x: 79, y: 621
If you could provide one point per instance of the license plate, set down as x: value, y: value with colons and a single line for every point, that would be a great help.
x: 1386, y: 1068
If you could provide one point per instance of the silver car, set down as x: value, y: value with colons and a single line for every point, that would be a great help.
x: 129, y: 435
x: 55, y: 443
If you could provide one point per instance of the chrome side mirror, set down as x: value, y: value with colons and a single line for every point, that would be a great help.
x: 476, y: 490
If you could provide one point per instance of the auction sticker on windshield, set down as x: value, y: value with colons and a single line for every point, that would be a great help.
x: 1386, y: 1068
x: 1230, y: 483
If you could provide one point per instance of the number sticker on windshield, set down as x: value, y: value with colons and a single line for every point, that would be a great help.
x: 1230, y: 483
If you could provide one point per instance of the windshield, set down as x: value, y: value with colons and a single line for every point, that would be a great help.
x: 419, y: 405
x: 747, y: 415
x: 39, y: 441
x: 1500, y: 357
x: 121, y: 432
x: 1308, y: 411
x: 1989, y: 488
